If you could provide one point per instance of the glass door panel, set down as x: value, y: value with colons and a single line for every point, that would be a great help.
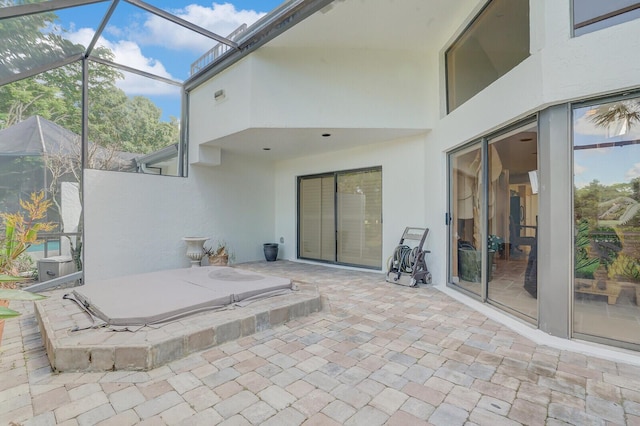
x: 359, y: 224
x: 513, y: 220
x: 606, y: 153
x: 317, y: 218
x: 340, y: 217
x: 466, y: 219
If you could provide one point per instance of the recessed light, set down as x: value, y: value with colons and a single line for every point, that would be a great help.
x: 266, y: 149
x: 326, y: 135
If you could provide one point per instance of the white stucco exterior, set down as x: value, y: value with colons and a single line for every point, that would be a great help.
x: 247, y: 200
x: 383, y: 106
x: 135, y: 223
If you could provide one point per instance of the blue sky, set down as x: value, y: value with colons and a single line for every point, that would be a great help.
x: 153, y: 44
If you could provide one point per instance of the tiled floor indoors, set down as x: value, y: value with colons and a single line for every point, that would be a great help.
x: 377, y: 354
x: 593, y: 314
x: 507, y: 286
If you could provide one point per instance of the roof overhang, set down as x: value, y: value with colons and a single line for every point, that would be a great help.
x: 288, y: 143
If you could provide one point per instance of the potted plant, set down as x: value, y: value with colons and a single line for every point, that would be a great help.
x: 219, y: 256
x: 8, y: 291
x: 470, y: 259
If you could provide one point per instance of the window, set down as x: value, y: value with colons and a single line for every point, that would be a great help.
x: 340, y: 217
x: 594, y: 15
x: 495, y: 42
x: 606, y: 149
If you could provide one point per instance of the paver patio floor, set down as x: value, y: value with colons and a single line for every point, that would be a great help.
x: 377, y: 354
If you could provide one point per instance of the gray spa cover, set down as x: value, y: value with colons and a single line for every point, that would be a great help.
x: 166, y: 295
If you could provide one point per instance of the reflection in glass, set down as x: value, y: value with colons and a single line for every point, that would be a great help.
x: 607, y: 220
x: 513, y: 220
x: 466, y: 247
x: 594, y: 15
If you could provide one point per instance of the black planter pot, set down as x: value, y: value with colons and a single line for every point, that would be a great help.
x: 270, y: 251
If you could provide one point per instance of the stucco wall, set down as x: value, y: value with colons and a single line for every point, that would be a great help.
x: 348, y: 88
x: 210, y: 118
x: 135, y: 222
x: 315, y: 88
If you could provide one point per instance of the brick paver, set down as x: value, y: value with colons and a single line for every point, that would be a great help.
x: 377, y: 354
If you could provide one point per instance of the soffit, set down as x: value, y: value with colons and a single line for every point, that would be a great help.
x: 422, y: 25
x: 290, y: 143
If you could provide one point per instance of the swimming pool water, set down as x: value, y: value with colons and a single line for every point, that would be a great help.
x: 51, y: 246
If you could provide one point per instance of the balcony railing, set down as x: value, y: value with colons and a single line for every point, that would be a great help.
x: 217, y: 50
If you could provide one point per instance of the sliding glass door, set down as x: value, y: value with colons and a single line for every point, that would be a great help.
x: 340, y: 217
x: 493, y: 218
x: 512, y: 198
x: 466, y: 219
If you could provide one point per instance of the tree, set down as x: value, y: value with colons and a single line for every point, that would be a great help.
x: 25, y: 98
x: 25, y: 44
x: 115, y: 121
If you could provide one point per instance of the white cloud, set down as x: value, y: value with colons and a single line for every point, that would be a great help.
x: 578, y: 169
x: 633, y: 172
x: 221, y: 19
x: 129, y: 53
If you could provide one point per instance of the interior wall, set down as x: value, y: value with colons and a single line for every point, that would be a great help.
x: 402, y: 178
x: 134, y: 223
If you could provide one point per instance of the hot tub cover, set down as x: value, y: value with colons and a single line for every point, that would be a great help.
x: 162, y: 296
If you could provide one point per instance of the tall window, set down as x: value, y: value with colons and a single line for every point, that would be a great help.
x: 340, y: 217
x: 606, y: 153
x: 495, y: 42
x: 593, y: 15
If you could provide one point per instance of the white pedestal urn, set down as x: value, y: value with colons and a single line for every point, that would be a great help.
x: 195, y: 249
